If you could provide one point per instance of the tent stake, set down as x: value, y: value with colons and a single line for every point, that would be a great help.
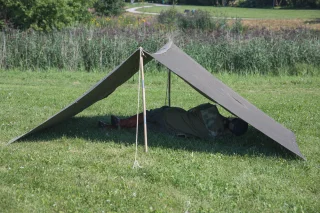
x: 144, y: 102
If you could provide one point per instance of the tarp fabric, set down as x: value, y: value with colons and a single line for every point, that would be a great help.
x: 192, y: 73
x: 209, y: 86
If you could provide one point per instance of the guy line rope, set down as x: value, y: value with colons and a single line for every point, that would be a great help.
x: 141, y: 76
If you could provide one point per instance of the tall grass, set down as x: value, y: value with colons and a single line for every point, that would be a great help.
x: 259, y: 55
x: 101, y: 49
x: 71, y: 49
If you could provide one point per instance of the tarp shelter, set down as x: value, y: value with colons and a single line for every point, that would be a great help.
x: 192, y: 73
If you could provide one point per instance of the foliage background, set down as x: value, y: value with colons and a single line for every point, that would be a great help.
x: 47, y: 15
x: 248, y: 3
x: 217, y: 44
x: 109, y: 7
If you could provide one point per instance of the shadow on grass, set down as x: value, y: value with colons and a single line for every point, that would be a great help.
x: 253, y: 143
x: 313, y: 21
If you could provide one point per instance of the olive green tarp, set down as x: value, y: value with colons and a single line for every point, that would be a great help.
x: 192, y: 73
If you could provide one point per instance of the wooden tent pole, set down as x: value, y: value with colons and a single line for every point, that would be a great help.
x: 144, y: 102
x: 169, y: 88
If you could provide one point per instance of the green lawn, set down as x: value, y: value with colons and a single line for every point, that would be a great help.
x: 129, y: 5
x: 244, y: 12
x: 76, y: 167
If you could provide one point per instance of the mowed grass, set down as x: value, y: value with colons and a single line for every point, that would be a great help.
x: 76, y: 167
x: 237, y: 12
x: 139, y: 4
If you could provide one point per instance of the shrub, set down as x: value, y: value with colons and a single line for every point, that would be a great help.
x: 44, y: 15
x: 109, y: 7
x: 168, y: 17
x: 198, y: 19
x: 303, y: 3
x: 237, y: 26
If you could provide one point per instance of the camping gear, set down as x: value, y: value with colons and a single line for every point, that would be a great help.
x: 193, y: 74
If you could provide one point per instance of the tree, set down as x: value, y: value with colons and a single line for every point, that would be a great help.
x: 44, y: 15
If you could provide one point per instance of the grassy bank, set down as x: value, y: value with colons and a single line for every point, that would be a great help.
x: 243, y: 12
x: 234, y: 50
x: 77, y: 167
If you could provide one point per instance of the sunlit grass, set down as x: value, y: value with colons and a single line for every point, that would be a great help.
x: 137, y: 4
x: 76, y: 167
x: 243, y: 12
x: 255, y: 51
x: 280, y: 24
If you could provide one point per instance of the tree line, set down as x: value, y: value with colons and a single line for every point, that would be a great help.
x: 47, y: 15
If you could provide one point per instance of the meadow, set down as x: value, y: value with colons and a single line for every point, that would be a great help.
x: 77, y: 167
x: 220, y: 45
x: 237, y: 12
x: 224, y: 48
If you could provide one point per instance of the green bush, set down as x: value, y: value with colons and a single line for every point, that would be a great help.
x: 237, y: 26
x: 109, y: 7
x: 43, y: 15
x: 303, y: 3
x: 197, y: 19
x: 168, y: 17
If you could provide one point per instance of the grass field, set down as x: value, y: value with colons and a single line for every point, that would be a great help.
x: 76, y: 167
x: 243, y: 12
x: 129, y: 5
